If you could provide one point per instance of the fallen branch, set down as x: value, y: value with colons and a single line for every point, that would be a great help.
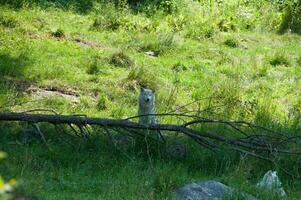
x: 261, y: 146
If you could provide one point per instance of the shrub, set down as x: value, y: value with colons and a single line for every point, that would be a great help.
x: 93, y: 68
x: 292, y: 17
x: 120, y: 59
x: 231, y: 42
x: 169, y: 6
x: 110, y: 20
x: 279, y: 59
x: 59, y: 33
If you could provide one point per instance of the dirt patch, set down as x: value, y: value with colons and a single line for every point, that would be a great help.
x: 87, y: 43
x: 49, y: 91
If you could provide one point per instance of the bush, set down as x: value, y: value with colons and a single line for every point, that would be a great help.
x: 292, y: 17
x: 279, y: 59
x: 231, y: 42
x: 93, y: 68
x: 59, y: 33
x: 110, y: 18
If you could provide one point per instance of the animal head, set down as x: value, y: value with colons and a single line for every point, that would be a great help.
x: 146, y: 96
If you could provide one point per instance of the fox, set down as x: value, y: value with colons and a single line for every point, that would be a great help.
x: 146, y: 108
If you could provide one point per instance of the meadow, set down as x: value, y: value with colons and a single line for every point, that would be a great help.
x: 238, y: 60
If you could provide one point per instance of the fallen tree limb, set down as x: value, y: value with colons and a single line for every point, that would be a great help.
x: 261, y: 146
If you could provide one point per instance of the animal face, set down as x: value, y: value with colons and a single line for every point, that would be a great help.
x: 147, y: 95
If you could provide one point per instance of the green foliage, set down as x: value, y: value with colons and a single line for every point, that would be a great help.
x: 200, y: 30
x: 279, y: 59
x: 59, y: 33
x: 173, y: 49
x: 158, y: 43
x: 93, y: 68
x: 291, y: 20
x: 231, y: 42
x: 144, y: 77
x: 8, y: 21
x: 120, y: 59
x: 299, y: 61
x: 109, y: 22
x: 102, y: 102
x: 13, y: 65
x: 163, y: 182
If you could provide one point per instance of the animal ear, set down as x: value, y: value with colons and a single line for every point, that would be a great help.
x: 154, y: 91
x: 142, y: 89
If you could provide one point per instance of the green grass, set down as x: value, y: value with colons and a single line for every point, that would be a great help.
x: 97, y: 64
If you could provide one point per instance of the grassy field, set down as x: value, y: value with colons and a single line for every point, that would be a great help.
x: 91, y: 58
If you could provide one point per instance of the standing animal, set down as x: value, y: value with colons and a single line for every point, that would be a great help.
x: 146, y: 109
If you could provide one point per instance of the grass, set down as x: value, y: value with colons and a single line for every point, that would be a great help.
x: 232, y: 54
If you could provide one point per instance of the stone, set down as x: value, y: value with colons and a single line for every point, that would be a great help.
x: 206, y: 190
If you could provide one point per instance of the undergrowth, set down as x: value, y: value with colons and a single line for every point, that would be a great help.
x: 92, y: 57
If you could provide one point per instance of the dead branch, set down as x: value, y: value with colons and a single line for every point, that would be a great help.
x: 267, y: 146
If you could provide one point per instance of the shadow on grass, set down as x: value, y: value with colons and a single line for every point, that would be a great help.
x: 12, y: 80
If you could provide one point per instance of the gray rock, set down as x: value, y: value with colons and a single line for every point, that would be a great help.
x: 206, y: 190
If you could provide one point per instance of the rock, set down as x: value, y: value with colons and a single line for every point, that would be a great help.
x: 271, y: 182
x: 206, y: 190
x: 151, y: 53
